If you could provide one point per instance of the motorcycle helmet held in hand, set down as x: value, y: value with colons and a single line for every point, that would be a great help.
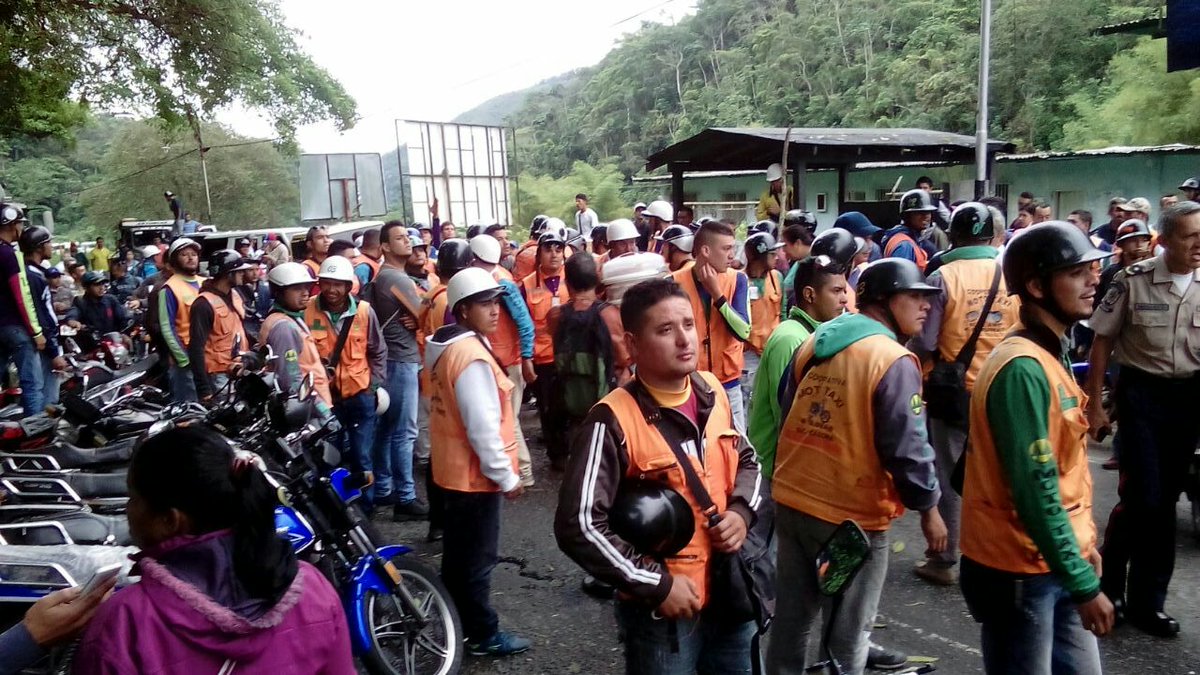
x: 653, y: 518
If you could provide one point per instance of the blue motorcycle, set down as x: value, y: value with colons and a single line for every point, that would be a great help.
x: 402, y: 620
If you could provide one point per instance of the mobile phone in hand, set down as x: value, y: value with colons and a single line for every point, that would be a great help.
x: 100, y: 578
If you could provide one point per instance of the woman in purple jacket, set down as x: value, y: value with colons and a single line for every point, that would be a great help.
x: 220, y: 592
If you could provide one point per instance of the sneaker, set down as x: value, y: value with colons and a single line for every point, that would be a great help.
x: 882, y: 658
x: 435, y: 534
x: 936, y: 573
x: 500, y: 644
x: 390, y: 499
x: 1111, y: 464
x: 597, y: 589
x: 527, y: 479
x: 410, y: 510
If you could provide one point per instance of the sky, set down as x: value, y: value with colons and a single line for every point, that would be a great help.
x: 433, y: 60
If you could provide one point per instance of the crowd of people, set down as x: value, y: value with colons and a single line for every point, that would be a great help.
x: 740, y: 395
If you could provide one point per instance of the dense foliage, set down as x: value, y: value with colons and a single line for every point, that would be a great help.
x: 847, y: 63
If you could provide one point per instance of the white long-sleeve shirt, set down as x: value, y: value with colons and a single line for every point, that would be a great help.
x: 479, y: 408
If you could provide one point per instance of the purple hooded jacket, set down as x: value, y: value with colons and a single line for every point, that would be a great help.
x: 189, y: 614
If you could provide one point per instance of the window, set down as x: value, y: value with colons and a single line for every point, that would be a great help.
x: 857, y: 196
x: 822, y: 202
x: 733, y: 196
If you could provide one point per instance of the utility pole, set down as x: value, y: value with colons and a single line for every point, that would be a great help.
x: 203, y: 164
x: 981, y: 118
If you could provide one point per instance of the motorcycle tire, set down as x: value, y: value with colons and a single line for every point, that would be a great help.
x: 442, y: 633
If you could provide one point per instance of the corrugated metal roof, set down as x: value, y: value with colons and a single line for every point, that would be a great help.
x: 902, y: 137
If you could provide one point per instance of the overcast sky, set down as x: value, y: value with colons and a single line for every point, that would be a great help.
x: 434, y: 60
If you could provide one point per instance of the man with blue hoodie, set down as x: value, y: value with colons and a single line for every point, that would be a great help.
x: 830, y: 466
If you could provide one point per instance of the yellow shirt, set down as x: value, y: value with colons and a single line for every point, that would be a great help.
x: 98, y: 259
x: 670, y: 399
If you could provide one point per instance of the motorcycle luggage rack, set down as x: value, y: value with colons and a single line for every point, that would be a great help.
x: 13, y: 512
x: 34, y: 534
x: 25, y: 582
x: 39, y: 488
x: 27, y: 463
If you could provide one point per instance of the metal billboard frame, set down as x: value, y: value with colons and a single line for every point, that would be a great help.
x: 443, y: 163
x: 350, y: 193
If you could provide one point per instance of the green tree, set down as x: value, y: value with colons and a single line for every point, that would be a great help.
x: 181, y: 60
x: 253, y: 185
x: 556, y: 196
x: 1139, y: 104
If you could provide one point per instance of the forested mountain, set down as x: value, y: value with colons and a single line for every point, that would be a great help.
x: 835, y: 63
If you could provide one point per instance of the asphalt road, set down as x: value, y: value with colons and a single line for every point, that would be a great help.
x: 536, y: 593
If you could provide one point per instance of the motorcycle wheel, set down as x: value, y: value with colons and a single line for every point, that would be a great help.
x: 436, y: 650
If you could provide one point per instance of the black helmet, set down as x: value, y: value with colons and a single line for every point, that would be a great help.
x: 800, y: 217
x: 1041, y: 250
x: 760, y: 243
x: 474, y: 231
x: 972, y: 220
x: 888, y: 276
x: 1192, y: 183
x: 916, y: 201
x: 768, y: 226
x: 90, y: 278
x: 535, y: 228
x: 836, y: 243
x: 1134, y: 227
x: 34, y: 238
x: 454, y: 255
x: 704, y: 220
x: 548, y: 238
x: 653, y: 518
x: 599, y: 233
x: 223, y: 262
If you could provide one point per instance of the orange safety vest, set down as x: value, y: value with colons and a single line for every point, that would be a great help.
x: 353, y: 373
x: 720, y: 351
x: 525, y: 260
x: 895, y: 240
x: 651, y: 458
x: 431, y: 269
x: 433, y: 314
x: 764, y: 311
x: 966, y: 283
x: 506, y: 341
x: 992, y: 533
x: 540, y: 301
x: 308, y: 358
x: 826, y: 464
x: 185, y: 295
x: 227, y: 325
x: 455, y: 464
x: 369, y: 262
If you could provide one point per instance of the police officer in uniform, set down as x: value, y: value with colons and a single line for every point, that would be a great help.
x: 1149, y: 321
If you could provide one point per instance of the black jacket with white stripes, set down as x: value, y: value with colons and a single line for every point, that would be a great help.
x: 597, y: 466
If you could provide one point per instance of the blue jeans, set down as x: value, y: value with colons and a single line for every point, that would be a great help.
x: 397, y: 432
x: 16, y: 345
x: 704, y: 646
x: 737, y: 406
x: 1029, y: 625
x: 50, y: 381
x: 183, y: 387
x: 356, y: 414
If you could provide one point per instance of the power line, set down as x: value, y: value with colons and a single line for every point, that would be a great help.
x: 168, y: 161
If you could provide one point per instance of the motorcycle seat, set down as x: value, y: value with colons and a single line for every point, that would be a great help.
x: 81, y: 526
x: 71, y: 456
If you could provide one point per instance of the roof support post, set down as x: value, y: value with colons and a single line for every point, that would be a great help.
x: 676, y: 186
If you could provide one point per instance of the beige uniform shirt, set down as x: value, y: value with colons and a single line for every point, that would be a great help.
x: 1155, y: 328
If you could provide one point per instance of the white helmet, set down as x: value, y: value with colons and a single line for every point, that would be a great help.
x: 471, y: 283
x: 383, y: 401
x: 774, y: 172
x: 486, y: 248
x: 658, y: 209
x: 180, y: 244
x: 289, y: 274
x: 622, y: 229
x: 150, y: 251
x: 622, y: 272
x: 555, y: 225
x: 337, y: 268
x: 416, y: 240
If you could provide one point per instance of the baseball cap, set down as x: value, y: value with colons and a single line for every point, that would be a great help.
x: 1136, y: 204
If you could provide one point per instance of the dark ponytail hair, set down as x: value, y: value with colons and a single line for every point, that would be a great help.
x: 192, y: 469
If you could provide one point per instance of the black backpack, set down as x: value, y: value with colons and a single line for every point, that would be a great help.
x: 583, y: 359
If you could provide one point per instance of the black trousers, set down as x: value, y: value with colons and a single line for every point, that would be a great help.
x: 550, y: 414
x: 469, y: 554
x: 1159, y: 432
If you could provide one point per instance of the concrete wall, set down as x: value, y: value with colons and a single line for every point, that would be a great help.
x: 1069, y: 183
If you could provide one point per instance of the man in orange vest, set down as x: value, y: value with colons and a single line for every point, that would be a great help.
x: 633, y: 438
x: 852, y: 446
x: 765, y: 291
x: 966, y: 275
x: 369, y: 258
x: 217, y: 333
x: 175, y: 299
x: 720, y: 297
x: 474, y: 458
x: 525, y: 258
x: 512, y: 343
x: 544, y: 290
x: 317, y: 241
x: 1030, y: 567
x: 676, y: 248
x: 357, y: 363
x: 288, y: 337
x: 907, y: 240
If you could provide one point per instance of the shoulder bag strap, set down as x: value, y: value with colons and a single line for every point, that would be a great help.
x: 341, y: 342
x: 967, y: 353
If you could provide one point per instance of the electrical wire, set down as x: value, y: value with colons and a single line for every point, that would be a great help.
x: 168, y: 160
